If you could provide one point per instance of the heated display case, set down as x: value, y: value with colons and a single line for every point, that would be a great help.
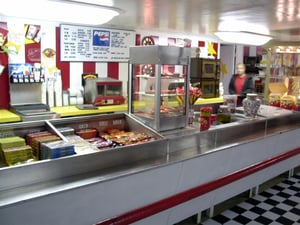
x: 157, y: 72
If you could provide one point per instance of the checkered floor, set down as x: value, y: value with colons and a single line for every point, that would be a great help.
x: 279, y: 205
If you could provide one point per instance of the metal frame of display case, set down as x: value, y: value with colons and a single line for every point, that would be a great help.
x: 59, y: 168
x: 160, y: 56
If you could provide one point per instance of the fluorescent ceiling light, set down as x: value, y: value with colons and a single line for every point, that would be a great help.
x: 236, y: 25
x: 66, y: 11
x: 243, y: 37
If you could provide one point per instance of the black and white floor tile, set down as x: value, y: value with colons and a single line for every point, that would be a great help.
x: 279, y: 205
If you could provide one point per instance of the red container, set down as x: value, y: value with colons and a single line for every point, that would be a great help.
x: 213, y: 119
x: 204, y: 123
x: 87, y: 133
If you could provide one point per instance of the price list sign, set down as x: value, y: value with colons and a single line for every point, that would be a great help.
x: 86, y: 44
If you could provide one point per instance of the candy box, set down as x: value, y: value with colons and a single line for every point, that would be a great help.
x: 17, y: 155
x: 36, y: 143
x: 56, y: 149
x: 87, y: 133
x: 30, y: 137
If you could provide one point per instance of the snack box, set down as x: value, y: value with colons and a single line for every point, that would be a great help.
x: 37, y: 142
x: 56, y: 149
x: 9, y: 142
x: 81, y: 146
x: 87, y: 133
x: 16, y: 155
x: 30, y: 137
x: 101, y: 143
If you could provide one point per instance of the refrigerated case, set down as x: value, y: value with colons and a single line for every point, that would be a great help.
x: 113, y: 155
x: 164, y: 107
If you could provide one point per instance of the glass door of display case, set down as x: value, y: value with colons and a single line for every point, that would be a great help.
x: 158, y: 90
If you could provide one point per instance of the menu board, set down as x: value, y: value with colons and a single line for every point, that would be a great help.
x: 80, y: 43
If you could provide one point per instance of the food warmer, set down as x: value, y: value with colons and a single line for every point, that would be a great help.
x: 103, y: 91
x: 161, y: 106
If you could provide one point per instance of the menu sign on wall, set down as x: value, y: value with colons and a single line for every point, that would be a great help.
x: 80, y: 43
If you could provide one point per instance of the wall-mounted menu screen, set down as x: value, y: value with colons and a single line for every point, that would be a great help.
x: 85, y: 44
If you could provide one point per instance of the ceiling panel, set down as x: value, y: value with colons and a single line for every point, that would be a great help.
x: 282, y: 17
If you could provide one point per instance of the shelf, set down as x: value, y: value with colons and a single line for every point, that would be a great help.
x: 162, y: 77
x: 66, y: 111
x: 161, y: 95
x: 7, y: 116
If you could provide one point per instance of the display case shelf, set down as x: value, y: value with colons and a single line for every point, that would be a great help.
x: 165, y: 108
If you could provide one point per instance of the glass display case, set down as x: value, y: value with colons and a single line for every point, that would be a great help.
x: 159, y: 81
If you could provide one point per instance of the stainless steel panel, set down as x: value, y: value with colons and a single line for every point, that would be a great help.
x: 283, y: 123
x: 47, y: 170
x: 243, y: 131
x: 192, y: 141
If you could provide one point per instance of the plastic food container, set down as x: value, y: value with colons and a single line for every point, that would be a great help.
x: 230, y: 101
x: 224, y: 115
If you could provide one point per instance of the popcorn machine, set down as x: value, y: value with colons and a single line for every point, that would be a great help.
x: 103, y: 91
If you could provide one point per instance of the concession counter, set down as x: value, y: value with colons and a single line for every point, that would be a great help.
x: 161, y: 179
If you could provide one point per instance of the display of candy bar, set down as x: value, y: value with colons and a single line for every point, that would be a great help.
x: 56, y: 149
x: 30, y: 137
x: 36, y: 143
x: 87, y: 133
x: 81, y: 146
x: 17, y: 155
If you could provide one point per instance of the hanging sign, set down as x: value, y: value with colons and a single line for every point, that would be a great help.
x: 81, y: 43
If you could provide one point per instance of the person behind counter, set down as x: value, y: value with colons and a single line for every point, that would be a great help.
x: 240, y: 84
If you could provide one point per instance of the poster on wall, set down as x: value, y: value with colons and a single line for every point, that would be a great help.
x: 85, y: 44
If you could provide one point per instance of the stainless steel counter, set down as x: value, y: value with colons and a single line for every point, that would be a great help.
x: 26, y: 182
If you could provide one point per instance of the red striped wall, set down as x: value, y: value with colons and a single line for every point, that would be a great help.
x: 88, y: 67
x: 63, y: 66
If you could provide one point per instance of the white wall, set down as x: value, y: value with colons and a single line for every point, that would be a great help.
x: 227, y: 54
